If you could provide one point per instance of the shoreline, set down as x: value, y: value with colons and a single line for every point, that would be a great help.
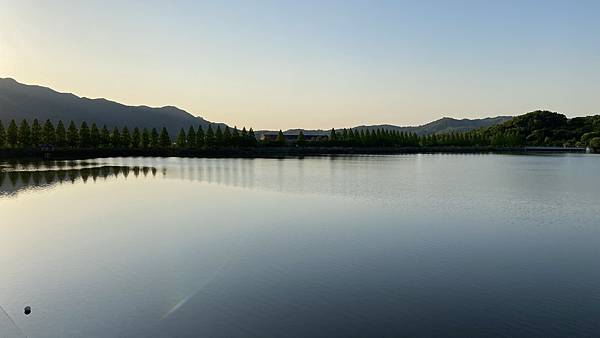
x: 267, y: 152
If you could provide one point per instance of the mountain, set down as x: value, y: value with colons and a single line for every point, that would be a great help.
x: 19, y: 101
x: 442, y: 126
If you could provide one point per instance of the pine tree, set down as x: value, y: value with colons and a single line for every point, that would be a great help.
x: 2, y: 138
x: 115, y: 138
x: 12, y: 134
x: 244, y: 137
x: 61, y: 135
x: 210, y: 136
x: 145, y: 140
x: 84, y: 135
x: 105, y: 137
x: 181, y: 139
x: 219, y: 136
x: 200, y: 138
x: 191, y: 137
x: 125, y: 137
x: 136, y: 138
x: 235, y: 136
x: 280, y: 140
x: 24, y: 134
x: 48, y: 133
x: 300, y: 141
x: 227, y: 136
x: 332, y: 135
x: 36, y: 133
x: 94, y: 136
x: 252, y: 138
x: 154, y: 138
x: 164, y: 140
x: 72, y: 135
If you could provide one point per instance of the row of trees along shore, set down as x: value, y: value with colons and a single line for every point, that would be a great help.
x: 36, y: 134
x: 540, y: 128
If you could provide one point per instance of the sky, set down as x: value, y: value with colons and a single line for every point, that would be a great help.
x: 312, y: 64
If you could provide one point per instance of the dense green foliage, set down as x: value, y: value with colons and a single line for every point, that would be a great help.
x: 24, y: 135
x: 539, y: 128
x: 544, y: 128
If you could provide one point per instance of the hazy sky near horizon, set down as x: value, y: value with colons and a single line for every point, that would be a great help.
x: 312, y: 64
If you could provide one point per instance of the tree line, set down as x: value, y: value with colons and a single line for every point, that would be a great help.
x: 36, y: 134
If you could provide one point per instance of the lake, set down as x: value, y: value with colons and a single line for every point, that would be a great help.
x: 358, y: 246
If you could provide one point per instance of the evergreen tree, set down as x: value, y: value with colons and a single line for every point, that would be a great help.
x: 181, y: 139
x: 200, y: 138
x: 94, y: 136
x: 125, y: 137
x: 72, y: 135
x: 24, y: 134
x: 61, y: 135
x: 164, y: 140
x: 36, y: 133
x: 280, y: 140
x: 252, y: 138
x: 48, y: 133
x: 300, y: 141
x: 227, y: 136
x: 145, y: 140
x: 12, y: 134
x: 154, y: 138
x: 115, y: 138
x: 244, y: 137
x: 2, y: 137
x: 191, y: 137
x: 332, y: 135
x: 235, y: 136
x: 219, y: 136
x: 136, y: 138
x: 105, y: 137
x: 84, y: 135
x: 210, y: 136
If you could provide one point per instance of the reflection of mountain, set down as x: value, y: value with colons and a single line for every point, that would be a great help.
x: 13, y: 181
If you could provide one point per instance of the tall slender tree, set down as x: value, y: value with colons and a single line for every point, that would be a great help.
x: 181, y: 139
x: 252, y: 138
x: 48, y: 133
x: 219, y: 136
x: 164, y: 139
x: 24, y: 134
x: 115, y: 138
x: 84, y: 135
x: 191, y: 137
x: 200, y: 138
x: 61, y: 135
x: 72, y: 135
x: 94, y: 136
x: 154, y: 138
x: 2, y: 137
x: 36, y: 133
x: 210, y: 136
x: 125, y: 137
x: 12, y: 134
x: 136, y: 138
x: 145, y: 140
x: 280, y: 139
x: 105, y: 137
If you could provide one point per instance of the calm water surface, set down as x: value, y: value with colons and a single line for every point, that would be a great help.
x: 366, y: 246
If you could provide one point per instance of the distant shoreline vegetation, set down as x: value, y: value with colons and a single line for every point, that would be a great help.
x: 535, y: 129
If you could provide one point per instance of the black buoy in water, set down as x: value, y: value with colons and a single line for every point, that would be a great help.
x: 27, y: 310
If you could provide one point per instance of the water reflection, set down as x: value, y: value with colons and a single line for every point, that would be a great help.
x: 22, y: 176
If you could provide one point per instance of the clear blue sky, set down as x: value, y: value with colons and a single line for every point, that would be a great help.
x: 312, y: 64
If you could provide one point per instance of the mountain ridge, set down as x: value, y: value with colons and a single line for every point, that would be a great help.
x: 22, y: 101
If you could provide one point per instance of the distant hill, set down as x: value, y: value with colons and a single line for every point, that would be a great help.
x: 441, y: 126
x: 19, y: 101
x: 545, y: 128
